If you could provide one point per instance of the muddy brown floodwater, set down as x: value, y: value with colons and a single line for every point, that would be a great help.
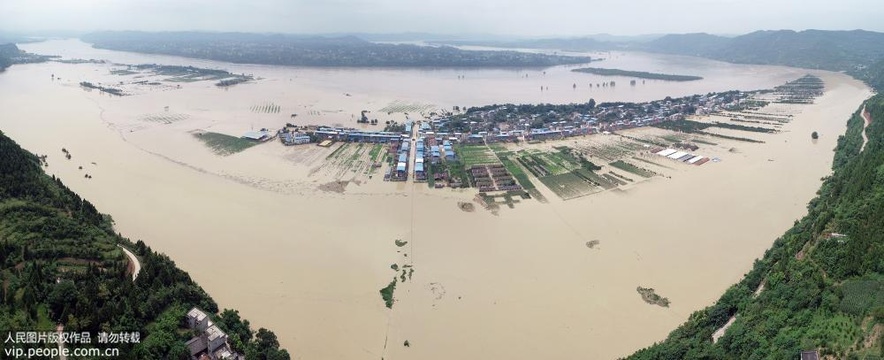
x: 257, y: 230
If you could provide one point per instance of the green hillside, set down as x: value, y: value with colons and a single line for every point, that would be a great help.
x: 60, y: 263
x: 814, y: 49
x: 822, y: 281
x: 10, y: 54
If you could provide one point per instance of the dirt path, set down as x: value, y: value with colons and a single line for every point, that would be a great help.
x: 58, y: 330
x: 720, y: 331
x: 134, y: 261
x: 868, y: 120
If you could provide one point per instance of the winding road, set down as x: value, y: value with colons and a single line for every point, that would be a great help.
x: 134, y: 260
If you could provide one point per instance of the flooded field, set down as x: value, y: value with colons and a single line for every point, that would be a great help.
x: 301, y: 239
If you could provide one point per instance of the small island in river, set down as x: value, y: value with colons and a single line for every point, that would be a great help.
x: 637, y: 74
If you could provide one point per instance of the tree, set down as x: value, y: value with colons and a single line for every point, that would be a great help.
x: 814, y: 135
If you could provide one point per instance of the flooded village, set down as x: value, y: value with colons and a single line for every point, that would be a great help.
x: 474, y: 148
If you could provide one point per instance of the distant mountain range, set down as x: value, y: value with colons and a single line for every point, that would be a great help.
x: 854, y: 51
x: 814, y: 49
x: 313, y: 50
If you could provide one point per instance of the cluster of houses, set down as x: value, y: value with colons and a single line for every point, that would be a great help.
x: 211, y: 343
x: 507, y: 123
x: 402, y: 149
x: 426, y: 149
x: 551, y: 122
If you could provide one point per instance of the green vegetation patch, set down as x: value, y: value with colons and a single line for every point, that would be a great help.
x: 387, y: 294
x: 650, y: 296
x: 471, y: 155
x: 596, y: 179
x: 223, y: 144
x: 399, y: 106
x: 862, y: 295
x: 517, y: 173
x: 400, y: 242
x: 498, y: 148
x: 375, y: 150
x: 625, y: 166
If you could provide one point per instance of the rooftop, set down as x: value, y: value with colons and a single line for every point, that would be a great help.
x: 196, y: 345
x: 256, y: 135
x: 196, y: 314
x: 810, y: 355
x: 213, y: 332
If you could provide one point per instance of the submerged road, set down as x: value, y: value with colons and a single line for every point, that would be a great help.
x: 134, y: 260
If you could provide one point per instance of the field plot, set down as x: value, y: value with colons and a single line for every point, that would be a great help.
x: 510, y: 162
x: 862, y: 295
x: 223, y: 144
x: 351, y: 161
x: 163, y: 118
x: 265, y: 108
x: 400, y: 106
x: 625, y: 166
x: 471, y: 155
x: 596, y: 179
x: 517, y: 172
x: 566, y: 173
x: 568, y: 186
x: 610, y: 150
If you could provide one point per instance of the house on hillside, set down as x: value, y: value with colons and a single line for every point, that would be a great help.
x: 211, y: 343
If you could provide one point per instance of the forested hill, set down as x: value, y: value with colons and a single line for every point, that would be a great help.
x: 11, y: 54
x: 7, y: 53
x: 60, y: 263
x: 822, y: 282
x: 298, y: 50
x: 814, y: 49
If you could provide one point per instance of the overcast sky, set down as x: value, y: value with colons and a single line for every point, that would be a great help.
x: 503, y: 17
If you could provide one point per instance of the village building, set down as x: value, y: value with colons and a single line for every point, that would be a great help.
x: 211, y: 343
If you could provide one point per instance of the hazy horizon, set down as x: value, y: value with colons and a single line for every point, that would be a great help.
x: 519, y: 18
